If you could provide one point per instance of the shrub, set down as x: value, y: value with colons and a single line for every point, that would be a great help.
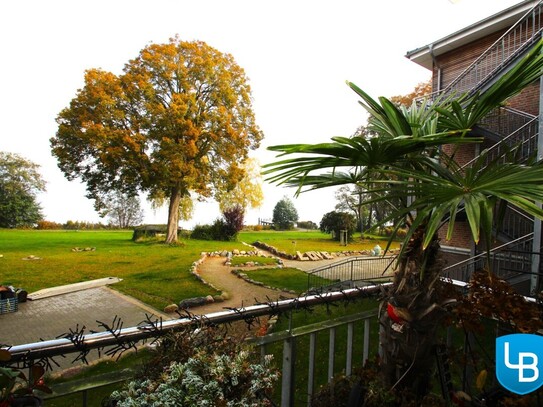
x: 202, y: 232
x: 48, y: 225
x: 333, y: 222
x: 233, y: 218
x: 219, y: 230
x: 201, y: 370
x: 307, y: 225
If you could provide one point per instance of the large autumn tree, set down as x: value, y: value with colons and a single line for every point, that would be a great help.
x: 177, y: 122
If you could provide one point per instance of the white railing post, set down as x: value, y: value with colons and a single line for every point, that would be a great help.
x: 287, y: 382
x: 349, y: 355
x: 331, y: 353
x: 311, y: 370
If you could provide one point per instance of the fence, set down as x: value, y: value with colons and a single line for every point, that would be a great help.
x: 351, y: 273
x: 119, y: 340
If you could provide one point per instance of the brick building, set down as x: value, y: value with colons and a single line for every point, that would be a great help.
x: 469, y: 60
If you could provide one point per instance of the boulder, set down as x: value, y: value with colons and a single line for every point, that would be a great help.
x: 171, y: 308
x: 192, y: 302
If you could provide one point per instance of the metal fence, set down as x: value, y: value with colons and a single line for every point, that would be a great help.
x: 351, y: 273
x: 117, y: 340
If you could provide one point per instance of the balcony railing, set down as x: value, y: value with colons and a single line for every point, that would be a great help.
x: 26, y: 355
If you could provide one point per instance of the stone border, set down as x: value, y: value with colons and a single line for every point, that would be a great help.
x: 317, y: 255
x: 196, y: 301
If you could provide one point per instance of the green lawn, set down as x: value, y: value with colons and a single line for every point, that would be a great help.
x: 303, y: 241
x: 154, y: 273
x: 262, y: 261
x: 285, y: 278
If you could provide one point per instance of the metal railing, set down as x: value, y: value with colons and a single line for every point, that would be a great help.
x: 26, y: 355
x: 508, y: 261
x: 292, y: 337
x: 350, y: 273
x: 501, y: 53
x: 519, y: 132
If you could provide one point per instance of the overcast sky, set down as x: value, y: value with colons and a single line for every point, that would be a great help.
x: 297, y: 54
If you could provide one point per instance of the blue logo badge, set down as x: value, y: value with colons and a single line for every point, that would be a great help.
x: 519, y: 360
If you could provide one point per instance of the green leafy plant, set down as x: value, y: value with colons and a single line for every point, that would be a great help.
x: 14, y: 384
x: 202, y: 368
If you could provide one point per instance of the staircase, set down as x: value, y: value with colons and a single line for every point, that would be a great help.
x: 500, y: 55
x: 509, y: 129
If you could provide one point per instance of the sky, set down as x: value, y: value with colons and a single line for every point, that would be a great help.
x: 297, y: 55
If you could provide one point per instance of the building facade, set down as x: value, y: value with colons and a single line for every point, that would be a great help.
x: 470, y: 60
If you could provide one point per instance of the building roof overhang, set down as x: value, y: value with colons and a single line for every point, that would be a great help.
x: 424, y: 56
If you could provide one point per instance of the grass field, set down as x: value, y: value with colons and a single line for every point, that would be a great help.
x: 152, y: 272
x: 303, y: 241
x: 285, y: 278
x: 155, y: 273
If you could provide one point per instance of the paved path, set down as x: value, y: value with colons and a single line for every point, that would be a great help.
x: 240, y: 292
x: 50, y: 317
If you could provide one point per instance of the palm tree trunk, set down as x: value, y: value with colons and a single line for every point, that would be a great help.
x: 410, y: 318
x: 173, y: 215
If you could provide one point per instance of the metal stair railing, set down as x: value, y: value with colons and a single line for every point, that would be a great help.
x: 498, y: 55
x: 508, y: 261
x: 523, y: 137
x: 504, y: 121
x: 350, y: 273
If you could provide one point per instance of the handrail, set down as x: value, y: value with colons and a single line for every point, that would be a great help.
x: 26, y: 353
x: 495, y: 249
x: 499, y: 53
x: 360, y: 268
x: 506, y: 140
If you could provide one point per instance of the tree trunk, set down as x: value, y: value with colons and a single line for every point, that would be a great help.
x: 173, y: 215
x: 411, y: 314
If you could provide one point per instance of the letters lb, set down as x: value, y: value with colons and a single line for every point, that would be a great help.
x: 519, y: 362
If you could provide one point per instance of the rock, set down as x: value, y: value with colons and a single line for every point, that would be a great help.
x: 225, y: 296
x: 235, y: 252
x: 300, y: 256
x: 209, y: 299
x: 326, y: 255
x: 171, y: 308
x: 32, y: 257
x: 192, y: 302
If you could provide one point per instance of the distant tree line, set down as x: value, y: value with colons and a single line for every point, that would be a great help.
x: 76, y: 225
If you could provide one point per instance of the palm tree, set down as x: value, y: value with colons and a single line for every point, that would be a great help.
x: 405, y: 159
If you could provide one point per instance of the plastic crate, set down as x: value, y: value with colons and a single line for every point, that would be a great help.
x: 9, y: 305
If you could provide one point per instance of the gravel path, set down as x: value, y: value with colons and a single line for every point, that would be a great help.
x: 242, y: 293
